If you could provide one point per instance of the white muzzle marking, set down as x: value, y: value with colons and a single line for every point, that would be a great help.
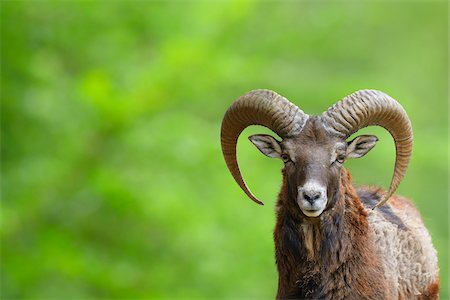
x: 312, y: 198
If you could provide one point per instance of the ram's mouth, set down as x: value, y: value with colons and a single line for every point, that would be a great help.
x: 312, y: 213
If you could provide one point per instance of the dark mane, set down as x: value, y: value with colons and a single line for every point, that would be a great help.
x: 343, y: 266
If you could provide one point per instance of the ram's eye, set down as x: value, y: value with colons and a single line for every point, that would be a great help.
x: 285, y: 158
x: 340, y: 158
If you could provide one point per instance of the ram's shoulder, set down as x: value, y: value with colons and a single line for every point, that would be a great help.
x: 394, y: 211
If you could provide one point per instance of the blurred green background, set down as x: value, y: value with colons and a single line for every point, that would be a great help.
x: 114, y: 185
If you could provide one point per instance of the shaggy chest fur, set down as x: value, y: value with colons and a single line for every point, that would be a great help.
x: 330, y: 259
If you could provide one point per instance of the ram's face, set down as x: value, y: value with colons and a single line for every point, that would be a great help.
x: 312, y: 164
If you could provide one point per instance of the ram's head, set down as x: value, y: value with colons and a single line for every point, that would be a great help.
x: 313, y: 148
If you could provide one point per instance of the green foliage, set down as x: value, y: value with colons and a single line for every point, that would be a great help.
x: 113, y: 180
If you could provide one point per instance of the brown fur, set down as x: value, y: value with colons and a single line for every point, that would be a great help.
x: 432, y: 292
x: 344, y: 266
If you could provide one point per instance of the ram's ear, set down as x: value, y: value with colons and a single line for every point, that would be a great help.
x: 360, y: 145
x: 268, y: 145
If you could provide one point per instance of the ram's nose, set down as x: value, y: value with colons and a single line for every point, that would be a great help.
x: 312, y: 198
x: 312, y: 195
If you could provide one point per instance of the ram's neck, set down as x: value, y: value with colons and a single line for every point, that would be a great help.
x: 326, y: 259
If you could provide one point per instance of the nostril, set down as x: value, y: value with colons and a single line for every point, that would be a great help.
x: 310, y: 196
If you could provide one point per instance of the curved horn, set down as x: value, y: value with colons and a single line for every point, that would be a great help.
x: 258, y: 107
x: 370, y: 107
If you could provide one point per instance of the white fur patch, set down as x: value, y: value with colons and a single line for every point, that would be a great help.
x: 316, y: 208
x: 409, y: 259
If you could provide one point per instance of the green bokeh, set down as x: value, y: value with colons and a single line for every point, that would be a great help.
x: 113, y: 180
